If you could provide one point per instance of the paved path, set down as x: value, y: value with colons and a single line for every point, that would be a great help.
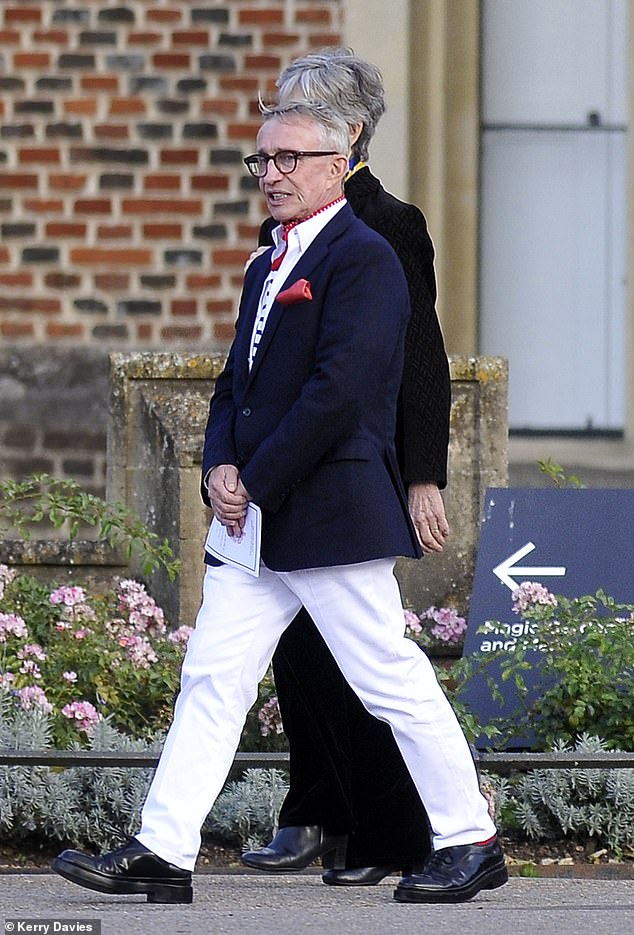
x: 251, y: 904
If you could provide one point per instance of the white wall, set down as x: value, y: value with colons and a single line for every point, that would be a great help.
x: 378, y: 30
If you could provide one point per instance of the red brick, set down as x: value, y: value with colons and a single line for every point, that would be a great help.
x: 161, y: 206
x: 230, y: 257
x: 32, y: 155
x: 99, y: 83
x: 56, y: 329
x: 16, y: 279
x: 59, y: 280
x: 209, y: 183
x: 254, y: 106
x: 313, y: 15
x: 239, y: 83
x: 224, y: 106
x: 179, y: 157
x: 144, y: 331
x: 325, y: 39
x: 28, y: 304
x: 199, y: 281
x: 31, y: 60
x: 127, y: 105
x: 7, y: 36
x: 20, y: 14
x: 191, y: 37
x: 83, y: 105
x: 65, y: 229
x: 5, y: 256
x: 17, y: 180
x: 111, y: 131
x: 219, y: 306
x: 112, y: 282
x: 224, y: 331
x: 114, y: 231
x: 181, y: 333
x: 280, y: 38
x: 163, y: 231
x: 60, y: 36
x: 260, y: 17
x: 242, y: 131
x: 162, y: 182
x: 44, y: 205
x: 67, y: 181
x: 93, y: 206
x: 163, y: 16
x: 248, y: 231
x: 144, y: 38
x: 14, y: 329
x: 263, y: 62
x: 183, y: 306
x: 124, y: 257
x: 171, y: 60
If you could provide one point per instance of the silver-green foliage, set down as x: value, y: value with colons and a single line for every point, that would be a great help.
x: 247, y: 811
x: 85, y: 806
x: 99, y: 807
x: 578, y: 803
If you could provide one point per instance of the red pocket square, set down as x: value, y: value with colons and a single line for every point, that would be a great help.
x: 298, y: 292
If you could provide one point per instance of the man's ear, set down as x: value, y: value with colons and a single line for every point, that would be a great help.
x: 339, y: 166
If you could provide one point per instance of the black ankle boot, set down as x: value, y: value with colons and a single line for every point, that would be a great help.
x: 295, y: 847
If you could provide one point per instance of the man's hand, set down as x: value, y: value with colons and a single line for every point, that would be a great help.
x: 253, y: 255
x: 228, y: 497
x: 427, y: 510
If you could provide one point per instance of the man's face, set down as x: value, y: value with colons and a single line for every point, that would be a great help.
x: 314, y: 183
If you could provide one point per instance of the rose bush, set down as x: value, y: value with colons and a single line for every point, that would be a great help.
x: 81, y: 658
x: 436, y: 627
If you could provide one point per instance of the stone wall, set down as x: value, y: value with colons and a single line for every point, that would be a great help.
x: 159, y: 408
x: 54, y: 413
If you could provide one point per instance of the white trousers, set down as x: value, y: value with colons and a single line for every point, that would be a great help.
x: 358, y: 611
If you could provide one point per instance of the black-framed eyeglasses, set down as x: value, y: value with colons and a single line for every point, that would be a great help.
x: 285, y: 161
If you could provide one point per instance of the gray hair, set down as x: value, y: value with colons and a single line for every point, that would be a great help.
x: 340, y: 79
x: 334, y: 132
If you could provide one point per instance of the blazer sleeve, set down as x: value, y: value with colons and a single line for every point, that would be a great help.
x: 425, y: 402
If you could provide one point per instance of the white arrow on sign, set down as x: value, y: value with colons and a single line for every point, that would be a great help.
x: 507, y: 569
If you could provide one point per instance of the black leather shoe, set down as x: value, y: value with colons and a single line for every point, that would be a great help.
x: 455, y: 874
x: 358, y: 876
x: 295, y: 847
x: 129, y: 869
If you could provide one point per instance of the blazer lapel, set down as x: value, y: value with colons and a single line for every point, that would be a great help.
x: 307, y: 265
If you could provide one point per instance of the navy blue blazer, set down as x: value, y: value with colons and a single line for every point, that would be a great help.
x: 311, y: 427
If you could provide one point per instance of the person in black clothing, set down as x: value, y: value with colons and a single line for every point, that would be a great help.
x: 348, y: 782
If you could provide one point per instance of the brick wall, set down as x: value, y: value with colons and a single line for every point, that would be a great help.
x: 125, y: 210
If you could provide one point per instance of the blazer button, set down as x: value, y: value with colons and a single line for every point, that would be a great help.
x: 246, y: 412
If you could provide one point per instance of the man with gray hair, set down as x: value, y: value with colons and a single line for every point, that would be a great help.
x: 301, y: 424
x: 348, y: 783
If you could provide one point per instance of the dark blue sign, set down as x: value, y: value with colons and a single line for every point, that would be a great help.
x: 571, y: 541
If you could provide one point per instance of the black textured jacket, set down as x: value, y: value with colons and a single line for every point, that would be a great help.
x: 422, y: 434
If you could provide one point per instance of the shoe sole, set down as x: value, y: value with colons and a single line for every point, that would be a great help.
x: 268, y: 869
x: 156, y: 892
x: 488, y: 881
x: 374, y: 881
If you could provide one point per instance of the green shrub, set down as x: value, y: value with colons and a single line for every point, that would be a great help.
x: 579, y: 804
x: 580, y: 656
x: 42, y: 498
x: 247, y: 811
x: 81, y: 657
